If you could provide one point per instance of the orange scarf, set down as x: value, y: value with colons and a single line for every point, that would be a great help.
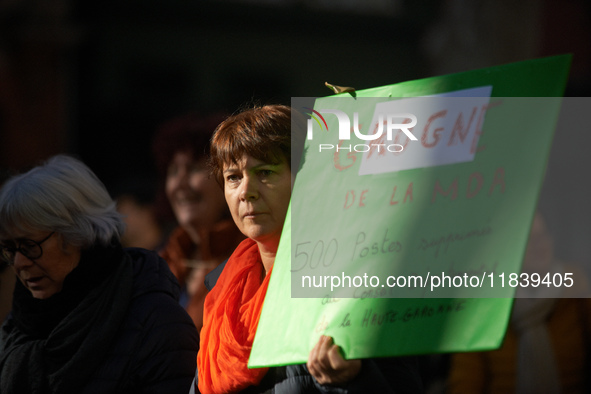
x: 231, y: 315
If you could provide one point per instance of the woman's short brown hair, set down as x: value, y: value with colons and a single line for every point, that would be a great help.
x: 264, y: 133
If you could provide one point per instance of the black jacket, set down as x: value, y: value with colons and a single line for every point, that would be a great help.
x: 124, y: 332
x: 387, y: 375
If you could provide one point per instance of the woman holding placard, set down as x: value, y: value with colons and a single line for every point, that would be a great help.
x: 251, y: 159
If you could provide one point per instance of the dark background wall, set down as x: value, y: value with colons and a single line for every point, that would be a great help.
x: 142, y: 65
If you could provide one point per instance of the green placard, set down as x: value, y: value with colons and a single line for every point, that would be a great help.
x: 458, y: 201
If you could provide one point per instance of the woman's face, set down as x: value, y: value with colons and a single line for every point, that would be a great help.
x: 45, y: 275
x: 258, y: 196
x: 196, y: 199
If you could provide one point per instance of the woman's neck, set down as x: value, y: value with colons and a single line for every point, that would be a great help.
x: 268, y: 253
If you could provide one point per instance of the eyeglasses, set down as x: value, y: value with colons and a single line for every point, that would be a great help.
x: 27, y: 247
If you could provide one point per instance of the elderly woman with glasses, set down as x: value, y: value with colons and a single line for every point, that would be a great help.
x: 87, y: 315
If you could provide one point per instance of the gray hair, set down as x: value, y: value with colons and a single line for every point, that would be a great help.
x: 62, y: 195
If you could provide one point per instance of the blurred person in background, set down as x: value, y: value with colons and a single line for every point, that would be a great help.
x: 206, y: 234
x: 87, y: 316
x: 546, y: 347
x: 135, y: 201
x: 251, y: 158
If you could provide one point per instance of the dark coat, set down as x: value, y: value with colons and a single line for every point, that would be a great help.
x: 387, y: 375
x: 140, y: 339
